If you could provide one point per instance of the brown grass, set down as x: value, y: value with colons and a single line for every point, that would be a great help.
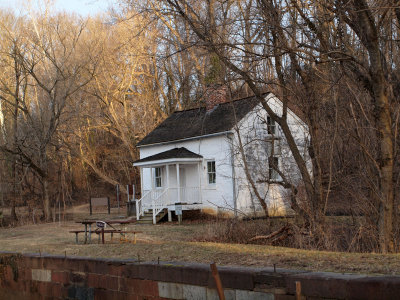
x: 339, y: 234
x: 171, y: 242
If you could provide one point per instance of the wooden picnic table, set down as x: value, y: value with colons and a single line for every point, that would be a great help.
x: 88, y: 227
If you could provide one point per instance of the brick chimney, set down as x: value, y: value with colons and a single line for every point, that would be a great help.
x: 214, y: 95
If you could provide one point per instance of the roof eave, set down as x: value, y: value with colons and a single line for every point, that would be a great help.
x: 169, y: 161
x: 188, y: 138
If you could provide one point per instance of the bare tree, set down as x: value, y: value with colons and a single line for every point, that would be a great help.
x: 51, y: 67
x: 309, y: 47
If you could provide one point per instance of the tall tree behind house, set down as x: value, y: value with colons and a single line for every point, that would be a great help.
x: 313, y: 48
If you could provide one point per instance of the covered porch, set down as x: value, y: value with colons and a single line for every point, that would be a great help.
x: 167, y: 178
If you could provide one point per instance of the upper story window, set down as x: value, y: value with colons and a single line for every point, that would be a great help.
x: 211, y: 172
x: 272, y: 167
x: 158, y: 181
x: 271, y: 126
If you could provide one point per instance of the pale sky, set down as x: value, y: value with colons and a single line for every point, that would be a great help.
x: 82, y: 7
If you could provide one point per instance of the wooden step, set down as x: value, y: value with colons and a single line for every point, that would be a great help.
x: 148, y: 217
x: 140, y: 222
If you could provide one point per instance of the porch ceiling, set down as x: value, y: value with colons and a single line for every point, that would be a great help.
x: 176, y: 155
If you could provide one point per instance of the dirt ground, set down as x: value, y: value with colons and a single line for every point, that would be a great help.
x: 173, y: 242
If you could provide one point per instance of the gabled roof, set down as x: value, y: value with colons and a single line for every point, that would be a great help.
x: 198, y: 122
x: 176, y: 153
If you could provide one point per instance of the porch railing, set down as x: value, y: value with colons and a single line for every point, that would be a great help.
x: 159, y: 203
x: 156, y: 200
x: 188, y: 195
x: 160, y: 199
x: 141, y: 204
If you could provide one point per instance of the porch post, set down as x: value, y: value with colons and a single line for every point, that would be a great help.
x: 168, y: 195
x: 167, y: 179
x: 178, y: 183
x: 141, y: 181
x: 199, y: 174
x: 152, y: 178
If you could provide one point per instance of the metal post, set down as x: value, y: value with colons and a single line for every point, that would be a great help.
x: 86, y: 232
x: 298, y: 290
x: 118, y: 196
x: 218, y: 282
x: 90, y: 233
x: 90, y: 205
x: 108, y: 202
x: 127, y: 190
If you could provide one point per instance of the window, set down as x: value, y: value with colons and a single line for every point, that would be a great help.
x: 211, y: 172
x: 157, y: 172
x: 271, y: 125
x: 272, y: 166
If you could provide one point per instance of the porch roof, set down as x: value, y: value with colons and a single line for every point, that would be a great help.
x: 170, y: 156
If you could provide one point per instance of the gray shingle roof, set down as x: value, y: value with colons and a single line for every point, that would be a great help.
x: 173, y: 153
x: 197, y: 122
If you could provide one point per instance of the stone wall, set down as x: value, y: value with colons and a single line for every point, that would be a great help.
x: 34, y: 276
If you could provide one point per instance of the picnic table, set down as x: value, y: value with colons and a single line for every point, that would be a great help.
x: 88, y: 228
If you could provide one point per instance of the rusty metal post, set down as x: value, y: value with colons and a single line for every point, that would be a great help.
x: 298, y: 290
x: 218, y: 283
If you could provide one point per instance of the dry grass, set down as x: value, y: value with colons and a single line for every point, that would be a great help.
x: 171, y: 242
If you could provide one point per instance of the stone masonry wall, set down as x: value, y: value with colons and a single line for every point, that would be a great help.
x: 34, y: 276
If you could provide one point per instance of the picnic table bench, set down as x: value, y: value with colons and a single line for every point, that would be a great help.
x: 88, y: 228
x: 123, y: 234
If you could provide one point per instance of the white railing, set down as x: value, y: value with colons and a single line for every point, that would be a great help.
x: 188, y: 195
x: 156, y: 200
x: 141, y: 204
x: 159, y: 203
x: 160, y: 199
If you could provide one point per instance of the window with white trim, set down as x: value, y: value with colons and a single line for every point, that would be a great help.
x: 211, y: 174
x: 271, y: 125
x: 157, y: 173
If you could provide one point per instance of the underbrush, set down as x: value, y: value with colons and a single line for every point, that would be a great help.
x: 28, y: 215
x: 343, y: 234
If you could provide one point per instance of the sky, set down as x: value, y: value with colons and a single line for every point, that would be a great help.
x: 82, y: 7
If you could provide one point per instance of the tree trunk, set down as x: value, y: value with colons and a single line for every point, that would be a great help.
x: 368, y: 32
x: 386, y: 162
x: 15, y: 137
x: 46, y: 200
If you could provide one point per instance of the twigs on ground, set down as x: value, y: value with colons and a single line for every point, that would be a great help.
x: 277, y: 235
